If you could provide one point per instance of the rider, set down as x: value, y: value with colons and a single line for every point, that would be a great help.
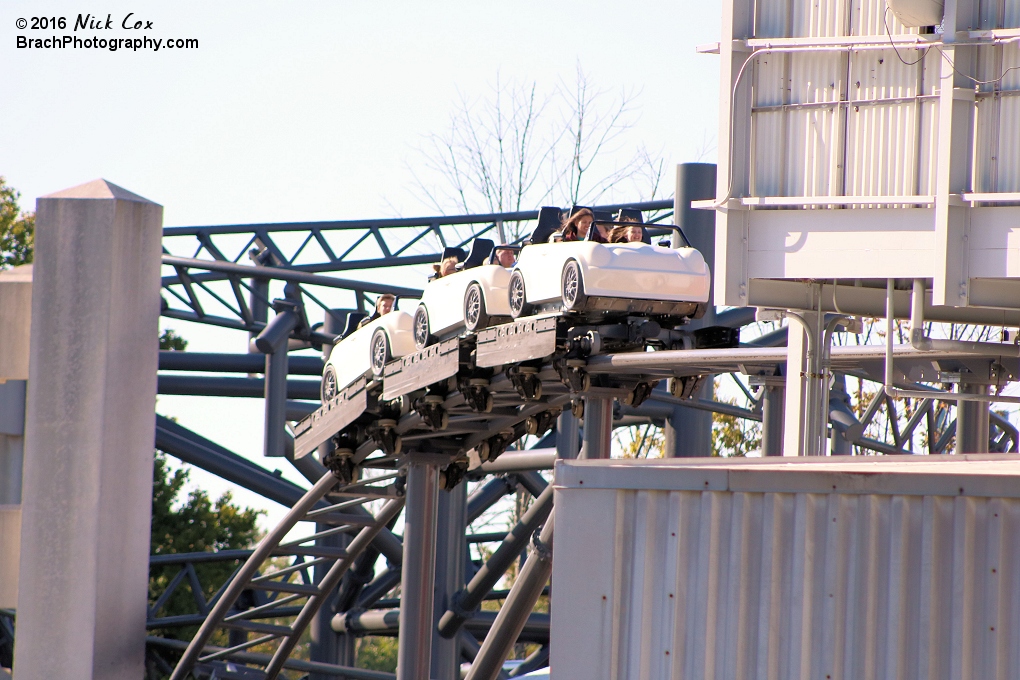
x: 506, y: 257
x: 383, y: 305
x: 576, y: 228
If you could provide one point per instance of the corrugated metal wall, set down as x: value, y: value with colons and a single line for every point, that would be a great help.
x: 771, y: 584
x: 864, y: 122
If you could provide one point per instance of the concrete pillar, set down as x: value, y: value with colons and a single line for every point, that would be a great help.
x: 15, y: 320
x: 972, y: 422
x: 451, y: 556
x: 86, y: 496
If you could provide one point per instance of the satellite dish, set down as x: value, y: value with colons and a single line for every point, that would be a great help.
x: 915, y: 13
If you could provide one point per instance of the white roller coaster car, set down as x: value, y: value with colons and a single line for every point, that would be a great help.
x: 598, y: 279
x: 471, y: 298
x: 365, y: 350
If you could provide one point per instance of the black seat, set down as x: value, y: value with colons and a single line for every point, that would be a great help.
x: 606, y: 218
x: 481, y: 248
x: 635, y: 215
x: 631, y: 214
x: 353, y: 319
x: 548, y: 224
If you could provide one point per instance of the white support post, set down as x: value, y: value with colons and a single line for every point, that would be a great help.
x: 734, y: 157
x: 951, y: 281
x: 90, y: 420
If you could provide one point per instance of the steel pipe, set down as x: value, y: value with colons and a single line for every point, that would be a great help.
x: 521, y: 461
x: 598, y: 427
x: 414, y: 655
x: 467, y: 600
x: 172, y: 360
x: 216, y: 386
x: 516, y: 609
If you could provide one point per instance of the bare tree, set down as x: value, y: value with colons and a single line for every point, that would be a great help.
x: 519, y: 147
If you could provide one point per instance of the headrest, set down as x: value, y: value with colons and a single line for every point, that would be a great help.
x: 577, y: 208
x: 630, y: 214
x: 454, y: 251
x: 548, y: 222
x: 481, y: 248
x: 353, y: 319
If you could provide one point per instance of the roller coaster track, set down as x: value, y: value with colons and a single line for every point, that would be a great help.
x: 344, y: 513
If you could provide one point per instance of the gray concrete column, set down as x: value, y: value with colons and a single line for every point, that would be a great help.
x: 414, y: 656
x: 451, y: 556
x: 12, y: 440
x: 972, y: 422
x: 90, y: 419
x: 598, y: 427
x: 15, y: 322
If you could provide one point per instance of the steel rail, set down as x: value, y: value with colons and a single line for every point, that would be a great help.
x: 283, y: 274
x: 398, y: 222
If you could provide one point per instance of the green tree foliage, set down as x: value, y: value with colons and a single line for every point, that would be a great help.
x: 733, y: 436
x: 377, y: 654
x: 169, y: 339
x: 194, y: 524
x: 17, y: 229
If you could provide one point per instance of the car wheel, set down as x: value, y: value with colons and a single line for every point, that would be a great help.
x: 422, y: 339
x: 380, y: 351
x: 518, y: 299
x: 328, y: 390
x: 475, y: 316
x: 573, y: 287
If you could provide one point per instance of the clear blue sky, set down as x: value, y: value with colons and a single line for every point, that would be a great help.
x: 312, y: 110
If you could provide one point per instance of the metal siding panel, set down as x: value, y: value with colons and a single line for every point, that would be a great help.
x: 746, y: 624
x: 928, y: 151
x: 867, y: 16
x: 718, y: 582
x: 882, y: 150
x: 685, y: 587
x: 1011, y: 16
x: 770, y: 75
x: 626, y: 565
x: 1008, y: 148
x: 786, y: 585
x: 585, y: 545
x: 812, y: 19
x: 1010, y: 574
x: 772, y: 18
x: 767, y: 130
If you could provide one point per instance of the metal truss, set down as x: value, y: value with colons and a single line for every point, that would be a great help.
x: 305, y: 584
x: 219, y: 275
